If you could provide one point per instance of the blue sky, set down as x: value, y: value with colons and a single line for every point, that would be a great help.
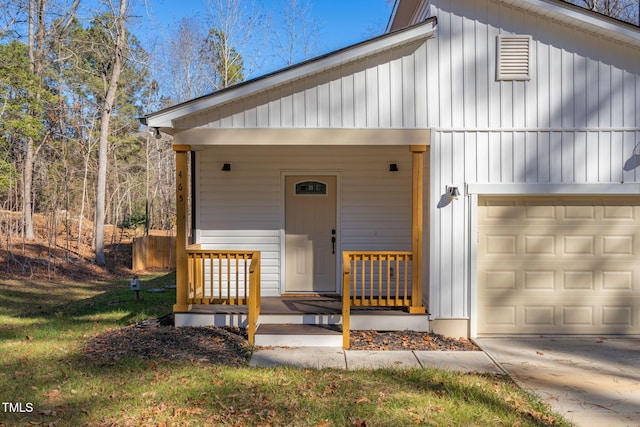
x: 342, y: 22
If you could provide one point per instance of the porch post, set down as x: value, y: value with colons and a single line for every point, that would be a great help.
x: 182, y: 193
x: 417, y: 209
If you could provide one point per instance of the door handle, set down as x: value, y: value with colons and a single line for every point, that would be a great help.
x: 333, y: 241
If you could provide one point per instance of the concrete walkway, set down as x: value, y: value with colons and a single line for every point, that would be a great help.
x: 335, y: 357
x: 590, y: 381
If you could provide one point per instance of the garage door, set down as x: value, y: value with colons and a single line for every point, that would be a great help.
x: 559, y: 265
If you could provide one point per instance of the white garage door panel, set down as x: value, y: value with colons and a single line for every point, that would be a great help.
x: 559, y: 266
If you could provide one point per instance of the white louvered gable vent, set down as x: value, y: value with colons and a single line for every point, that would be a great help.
x: 514, y: 57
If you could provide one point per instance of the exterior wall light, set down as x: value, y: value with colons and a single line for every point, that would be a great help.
x: 453, y: 192
x: 393, y: 167
x: 226, y: 167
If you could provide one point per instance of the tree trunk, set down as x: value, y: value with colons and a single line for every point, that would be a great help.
x: 36, y: 11
x: 103, y: 141
x: 27, y: 204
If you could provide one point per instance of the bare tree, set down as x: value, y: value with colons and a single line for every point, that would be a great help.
x: 243, y: 30
x: 10, y: 12
x: 625, y: 10
x: 300, y: 32
x: 119, y: 47
x: 37, y: 45
x: 186, y: 74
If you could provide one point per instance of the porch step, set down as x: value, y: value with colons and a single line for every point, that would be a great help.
x: 298, y: 335
x: 360, y: 320
x: 301, y: 319
x: 381, y: 320
x: 388, y: 320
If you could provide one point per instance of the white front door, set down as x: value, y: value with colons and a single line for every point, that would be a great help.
x: 310, y: 234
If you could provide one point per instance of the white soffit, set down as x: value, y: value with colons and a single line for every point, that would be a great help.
x: 202, y: 137
x: 164, y: 119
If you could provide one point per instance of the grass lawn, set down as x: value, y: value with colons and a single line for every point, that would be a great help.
x: 45, y: 379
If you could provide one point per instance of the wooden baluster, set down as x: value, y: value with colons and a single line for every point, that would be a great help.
x: 406, y: 301
x: 371, y: 293
x: 363, y: 273
x: 380, y: 279
x: 228, y: 257
x: 237, y: 298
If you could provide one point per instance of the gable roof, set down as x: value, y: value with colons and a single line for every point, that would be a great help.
x: 408, y: 12
x: 164, y: 119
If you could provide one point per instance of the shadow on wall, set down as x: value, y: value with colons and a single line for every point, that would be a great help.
x: 633, y: 161
x: 451, y: 194
x: 445, y: 200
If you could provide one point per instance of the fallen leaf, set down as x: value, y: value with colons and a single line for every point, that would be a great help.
x: 362, y: 400
x: 52, y: 394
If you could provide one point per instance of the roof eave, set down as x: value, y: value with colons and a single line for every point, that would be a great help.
x: 590, y: 20
x: 402, y: 14
x: 164, y: 119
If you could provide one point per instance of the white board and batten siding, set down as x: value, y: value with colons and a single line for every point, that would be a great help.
x: 575, y: 121
x: 384, y: 90
x: 243, y: 209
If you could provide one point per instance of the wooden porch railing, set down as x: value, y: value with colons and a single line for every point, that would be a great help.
x: 225, y: 277
x: 374, y: 279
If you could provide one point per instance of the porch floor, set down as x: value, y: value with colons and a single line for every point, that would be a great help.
x: 328, y: 305
x: 324, y: 312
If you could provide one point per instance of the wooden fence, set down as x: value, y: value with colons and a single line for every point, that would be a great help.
x: 154, y: 252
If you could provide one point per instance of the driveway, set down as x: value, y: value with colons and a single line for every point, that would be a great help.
x: 591, y: 381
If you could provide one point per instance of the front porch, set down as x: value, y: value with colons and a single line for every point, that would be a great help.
x: 223, y: 288
x: 378, y: 289
x: 302, y: 321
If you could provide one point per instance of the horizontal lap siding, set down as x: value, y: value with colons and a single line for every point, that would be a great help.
x: 242, y: 209
x: 576, y: 121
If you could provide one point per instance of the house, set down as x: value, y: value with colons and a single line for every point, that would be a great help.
x: 476, y: 164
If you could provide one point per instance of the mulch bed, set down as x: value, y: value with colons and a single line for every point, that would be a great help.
x: 408, y: 340
x: 158, y: 339
x: 207, y: 345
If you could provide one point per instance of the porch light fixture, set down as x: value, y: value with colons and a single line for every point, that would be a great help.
x: 157, y: 133
x: 226, y: 167
x: 453, y: 192
x: 393, y: 167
